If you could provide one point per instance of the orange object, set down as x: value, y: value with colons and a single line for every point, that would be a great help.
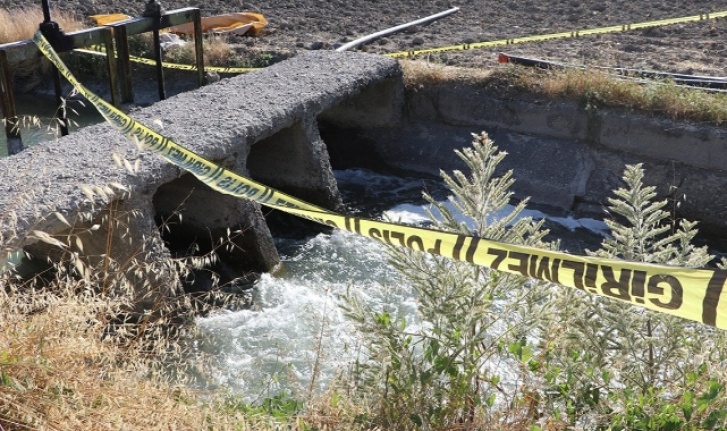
x: 109, y: 18
x: 236, y: 23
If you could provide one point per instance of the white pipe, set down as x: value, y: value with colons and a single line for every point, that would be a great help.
x: 398, y: 28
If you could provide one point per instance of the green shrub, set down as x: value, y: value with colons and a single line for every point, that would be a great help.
x: 498, y: 351
x: 627, y: 367
x: 474, y: 321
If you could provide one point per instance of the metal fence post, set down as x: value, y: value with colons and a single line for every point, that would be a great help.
x: 198, y: 47
x: 154, y: 10
x: 108, y: 41
x: 7, y: 102
x: 122, y: 48
x: 53, y: 33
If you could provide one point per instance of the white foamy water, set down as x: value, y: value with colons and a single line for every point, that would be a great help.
x: 297, y: 317
x: 416, y: 214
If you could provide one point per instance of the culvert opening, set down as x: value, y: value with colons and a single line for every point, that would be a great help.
x: 350, y: 147
x: 198, y: 228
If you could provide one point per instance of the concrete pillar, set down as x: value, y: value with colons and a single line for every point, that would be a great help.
x: 380, y: 105
x: 295, y: 160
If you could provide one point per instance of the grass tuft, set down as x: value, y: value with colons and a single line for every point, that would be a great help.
x: 21, y: 24
x: 217, y: 52
x: 591, y: 88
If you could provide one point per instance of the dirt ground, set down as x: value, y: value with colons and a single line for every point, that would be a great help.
x: 697, y: 48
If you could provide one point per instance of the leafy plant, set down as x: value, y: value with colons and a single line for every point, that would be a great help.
x: 495, y: 350
x: 623, y: 367
x: 445, y: 370
x: 282, y: 407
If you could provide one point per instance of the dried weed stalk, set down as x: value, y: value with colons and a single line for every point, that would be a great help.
x: 93, y: 341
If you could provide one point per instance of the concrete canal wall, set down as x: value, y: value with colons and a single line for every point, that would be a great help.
x: 563, y: 154
x: 288, y: 125
x: 262, y: 124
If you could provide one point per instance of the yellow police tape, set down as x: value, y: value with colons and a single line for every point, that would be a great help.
x: 179, y: 66
x: 562, y: 35
x: 463, y: 47
x: 693, y: 294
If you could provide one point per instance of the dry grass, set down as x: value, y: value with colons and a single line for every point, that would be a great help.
x: 60, y: 371
x: 217, y: 52
x: 70, y: 358
x: 660, y: 97
x: 591, y: 88
x: 21, y: 24
x: 57, y: 372
x: 425, y: 74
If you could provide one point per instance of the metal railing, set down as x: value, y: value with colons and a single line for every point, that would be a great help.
x: 155, y: 20
x: 117, y: 58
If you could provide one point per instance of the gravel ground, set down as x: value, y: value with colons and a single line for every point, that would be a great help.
x: 697, y: 48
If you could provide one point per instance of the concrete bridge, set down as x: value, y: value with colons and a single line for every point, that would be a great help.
x: 95, y: 194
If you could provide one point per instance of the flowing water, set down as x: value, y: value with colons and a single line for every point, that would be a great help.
x: 297, y: 328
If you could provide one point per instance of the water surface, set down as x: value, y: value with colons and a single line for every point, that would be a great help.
x: 39, y: 119
x: 297, y: 329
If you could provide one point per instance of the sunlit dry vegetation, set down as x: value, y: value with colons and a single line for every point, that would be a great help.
x: 91, y: 339
x: 21, y: 24
x: 591, y: 88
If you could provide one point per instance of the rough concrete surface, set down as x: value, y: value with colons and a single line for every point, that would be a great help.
x: 221, y: 122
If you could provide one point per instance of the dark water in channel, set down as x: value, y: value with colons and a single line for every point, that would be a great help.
x: 39, y: 119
